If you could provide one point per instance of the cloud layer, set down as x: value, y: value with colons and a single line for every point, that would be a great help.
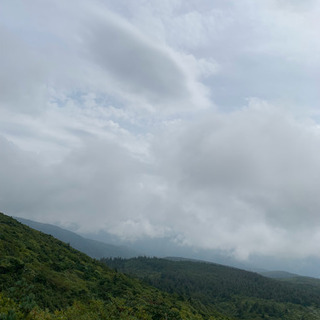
x: 195, y: 122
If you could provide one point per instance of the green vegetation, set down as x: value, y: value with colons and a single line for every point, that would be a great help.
x: 44, y: 278
x: 235, y: 293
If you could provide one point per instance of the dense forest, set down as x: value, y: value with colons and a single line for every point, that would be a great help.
x: 44, y: 278
x: 236, y: 293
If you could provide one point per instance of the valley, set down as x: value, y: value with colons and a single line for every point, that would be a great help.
x: 44, y: 278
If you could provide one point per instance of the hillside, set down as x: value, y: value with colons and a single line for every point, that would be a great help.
x: 44, y: 278
x: 279, y: 274
x: 236, y: 293
x: 94, y: 249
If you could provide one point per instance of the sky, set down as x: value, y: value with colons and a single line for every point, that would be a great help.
x: 194, y: 121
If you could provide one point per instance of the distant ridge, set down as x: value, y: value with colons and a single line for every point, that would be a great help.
x: 279, y: 274
x: 93, y: 248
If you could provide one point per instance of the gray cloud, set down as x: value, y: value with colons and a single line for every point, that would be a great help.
x: 92, y: 49
x: 92, y: 153
x: 247, y: 181
x: 22, y: 75
x: 136, y: 63
x: 244, y: 182
x: 94, y: 179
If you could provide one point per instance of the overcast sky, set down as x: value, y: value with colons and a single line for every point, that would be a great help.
x: 193, y: 120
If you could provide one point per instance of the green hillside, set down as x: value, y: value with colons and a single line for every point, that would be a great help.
x: 234, y: 292
x: 44, y: 278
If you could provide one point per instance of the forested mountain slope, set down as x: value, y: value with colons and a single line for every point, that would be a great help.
x: 44, y: 278
x: 236, y: 293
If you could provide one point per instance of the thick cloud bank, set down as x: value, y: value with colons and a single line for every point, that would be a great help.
x: 197, y: 122
x: 244, y: 182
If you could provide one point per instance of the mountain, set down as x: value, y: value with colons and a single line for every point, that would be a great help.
x: 44, y: 278
x: 279, y: 275
x: 94, y: 249
x: 235, y: 293
x: 168, y: 247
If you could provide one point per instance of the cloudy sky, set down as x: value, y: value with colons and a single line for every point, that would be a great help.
x: 192, y: 120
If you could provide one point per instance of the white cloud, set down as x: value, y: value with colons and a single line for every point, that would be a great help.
x: 103, y: 120
x: 21, y: 79
x: 246, y: 181
x: 139, y: 66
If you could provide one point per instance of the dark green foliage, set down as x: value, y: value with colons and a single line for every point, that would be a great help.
x: 40, y: 275
x: 234, y: 292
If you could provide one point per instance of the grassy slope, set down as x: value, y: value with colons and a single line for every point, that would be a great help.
x: 39, y: 272
x: 237, y: 293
